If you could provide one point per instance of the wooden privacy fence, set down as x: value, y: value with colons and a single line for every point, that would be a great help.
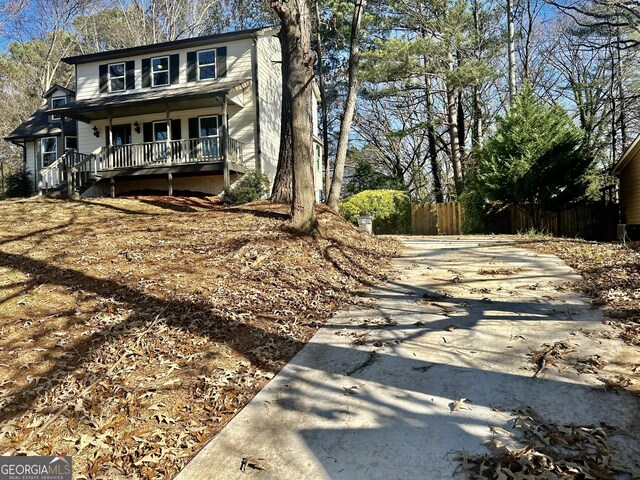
x: 592, y: 220
x: 437, y: 219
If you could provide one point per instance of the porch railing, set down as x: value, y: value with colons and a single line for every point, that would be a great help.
x: 194, y: 150
x: 58, y: 174
x: 74, y: 170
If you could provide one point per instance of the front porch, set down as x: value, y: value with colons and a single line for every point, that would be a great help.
x: 151, y: 134
x: 76, y: 171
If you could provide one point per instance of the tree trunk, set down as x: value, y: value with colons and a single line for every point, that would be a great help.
x: 621, y: 94
x: 511, y: 45
x: 476, y: 133
x: 476, y: 108
x: 282, y: 191
x: 433, y: 147
x: 462, y: 131
x: 452, y: 119
x: 350, y: 107
x: 295, y: 22
x: 324, y: 108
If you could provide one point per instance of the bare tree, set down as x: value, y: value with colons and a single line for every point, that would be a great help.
x: 350, y: 105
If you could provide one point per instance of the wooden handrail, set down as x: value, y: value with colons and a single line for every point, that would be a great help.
x: 192, y: 150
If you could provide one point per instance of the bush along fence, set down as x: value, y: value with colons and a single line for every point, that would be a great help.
x: 591, y: 221
x: 390, y: 209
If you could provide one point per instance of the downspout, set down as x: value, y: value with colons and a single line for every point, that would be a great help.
x: 256, y: 96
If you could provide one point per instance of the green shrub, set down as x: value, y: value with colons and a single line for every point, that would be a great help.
x: 18, y: 184
x: 390, y: 209
x: 472, y: 212
x: 251, y: 187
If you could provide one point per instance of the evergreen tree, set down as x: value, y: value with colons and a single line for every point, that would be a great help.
x: 535, y: 161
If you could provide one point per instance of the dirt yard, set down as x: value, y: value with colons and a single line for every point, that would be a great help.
x: 132, y: 330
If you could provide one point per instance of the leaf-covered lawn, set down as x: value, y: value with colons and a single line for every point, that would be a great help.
x: 132, y: 330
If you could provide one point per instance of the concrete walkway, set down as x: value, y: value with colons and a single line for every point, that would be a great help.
x: 369, y: 397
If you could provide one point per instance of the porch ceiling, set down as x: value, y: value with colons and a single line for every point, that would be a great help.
x: 151, y: 101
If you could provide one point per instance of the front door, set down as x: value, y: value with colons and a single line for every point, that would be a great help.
x: 160, y: 136
x: 209, y: 137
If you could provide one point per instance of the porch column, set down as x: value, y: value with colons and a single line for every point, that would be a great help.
x: 110, y: 139
x: 223, y: 146
x: 66, y: 174
x: 170, y: 184
x: 168, y: 147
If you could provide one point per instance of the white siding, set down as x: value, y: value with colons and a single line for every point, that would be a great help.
x: 238, y: 68
x: 270, y: 95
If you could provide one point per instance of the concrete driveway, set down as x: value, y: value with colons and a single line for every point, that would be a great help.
x: 370, y: 396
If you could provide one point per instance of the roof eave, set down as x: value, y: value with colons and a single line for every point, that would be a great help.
x: 628, y: 154
x: 163, y: 46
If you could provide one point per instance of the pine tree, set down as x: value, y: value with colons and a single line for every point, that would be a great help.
x: 535, y: 161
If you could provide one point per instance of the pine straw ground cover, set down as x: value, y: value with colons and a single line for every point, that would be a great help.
x: 132, y: 330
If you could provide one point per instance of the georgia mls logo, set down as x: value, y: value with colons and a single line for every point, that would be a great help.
x: 35, y: 468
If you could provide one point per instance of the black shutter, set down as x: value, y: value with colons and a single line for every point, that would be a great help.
x: 106, y: 136
x: 131, y: 75
x: 194, y: 128
x: 104, y: 80
x: 146, y: 72
x: 192, y: 65
x: 147, y: 132
x: 174, y: 69
x: 176, y: 130
x: 221, y: 62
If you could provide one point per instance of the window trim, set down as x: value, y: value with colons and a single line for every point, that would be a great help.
x: 66, y: 138
x: 153, y: 130
x: 214, y: 64
x: 168, y: 72
x: 53, y: 115
x: 123, y: 77
x: 217, y: 117
x: 43, y: 152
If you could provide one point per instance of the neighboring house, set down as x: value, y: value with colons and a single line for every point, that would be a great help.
x: 41, y: 135
x: 628, y: 172
x: 189, y: 115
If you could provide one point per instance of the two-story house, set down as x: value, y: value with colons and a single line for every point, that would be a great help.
x: 190, y: 115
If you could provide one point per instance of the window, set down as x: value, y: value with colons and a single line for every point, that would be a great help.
x: 70, y: 143
x: 49, y: 150
x: 159, y: 71
x: 58, y: 102
x: 206, y: 64
x: 117, y: 77
x: 209, y: 136
x: 121, y: 134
